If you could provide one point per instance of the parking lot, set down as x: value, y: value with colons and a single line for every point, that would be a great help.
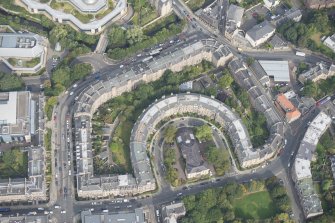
x: 253, y: 16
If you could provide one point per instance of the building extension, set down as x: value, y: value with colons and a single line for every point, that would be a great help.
x: 17, y: 116
x: 260, y: 33
x: 90, y: 185
x: 92, y: 27
x: 301, y: 171
x: 23, y: 47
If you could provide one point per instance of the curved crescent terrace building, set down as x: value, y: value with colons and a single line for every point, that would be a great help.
x: 95, y: 26
x: 89, y: 185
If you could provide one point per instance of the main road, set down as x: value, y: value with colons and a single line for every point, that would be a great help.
x: 64, y: 194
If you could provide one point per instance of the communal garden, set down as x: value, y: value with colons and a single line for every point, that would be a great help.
x: 13, y: 163
x: 254, y: 201
x: 323, y: 177
x: 174, y: 163
x: 128, y: 107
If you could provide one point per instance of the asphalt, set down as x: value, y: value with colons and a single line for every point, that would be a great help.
x: 278, y: 166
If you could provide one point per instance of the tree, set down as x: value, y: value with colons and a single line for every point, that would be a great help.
x: 170, y: 134
x: 203, y: 133
x: 326, y: 184
x: 10, y: 82
x: 134, y: 35
x: 250, y: 60
x: 117, y: 37
x: 310, y: 89
x: 226, y: 80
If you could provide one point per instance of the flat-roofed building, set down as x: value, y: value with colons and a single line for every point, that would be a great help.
x: 22, y: 47
x: 137, y: 216
x: 89, y: 6
x: 17, y: 115
x: 93, y: 27
x: 276, y: 69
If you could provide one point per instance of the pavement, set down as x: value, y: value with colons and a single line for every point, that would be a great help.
x: 62, y: 193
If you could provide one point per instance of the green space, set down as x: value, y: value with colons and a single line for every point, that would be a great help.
x: 124, y: 43
x: 144, y: 12
x: 47, y: 145
x: 255, y: 201
x: 323, y: 177
x: 308, y: 32
x: 245, y: 3
x: 219, y: 157
x: 50, y: 103
x: 24, y: 63
x: 70, y: 9
x: 10, y: 82
x: 319, y: 89
x: 257, y: 205
x: 170, y: 159
x: 13, y: 164
x: 239, y: 100
x: 130, y: 105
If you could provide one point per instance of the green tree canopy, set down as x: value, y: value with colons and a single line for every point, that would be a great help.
x: 203, y: 133
x: 170, y: 134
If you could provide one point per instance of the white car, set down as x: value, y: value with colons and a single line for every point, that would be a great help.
x: 75, y: 85
x: 71, y: 93
x: 63, y: 212
x: 121, y: 66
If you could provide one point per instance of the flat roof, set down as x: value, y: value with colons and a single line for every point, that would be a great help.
x: 278, y: 69
x: 8, y: 108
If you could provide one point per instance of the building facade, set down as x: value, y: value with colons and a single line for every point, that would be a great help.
x: 18, y: 49
x: 92, y: 186
x: 92, y: 27
x: 301, y: 170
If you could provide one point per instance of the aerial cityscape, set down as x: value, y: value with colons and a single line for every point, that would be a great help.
x: 166, y: 111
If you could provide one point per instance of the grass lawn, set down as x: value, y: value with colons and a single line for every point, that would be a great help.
x: 14, y: 164
x: 317, y: 38
x: 120, y: 145
x: 258, y: 205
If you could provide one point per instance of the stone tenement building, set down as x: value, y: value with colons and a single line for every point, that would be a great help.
x: 90, y: 185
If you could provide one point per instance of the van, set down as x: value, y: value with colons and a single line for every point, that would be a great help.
x: 40, y: 209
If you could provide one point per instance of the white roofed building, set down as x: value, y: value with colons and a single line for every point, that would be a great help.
x: 278, y: 70
x: 23, y: 47
x: 16, y: 116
